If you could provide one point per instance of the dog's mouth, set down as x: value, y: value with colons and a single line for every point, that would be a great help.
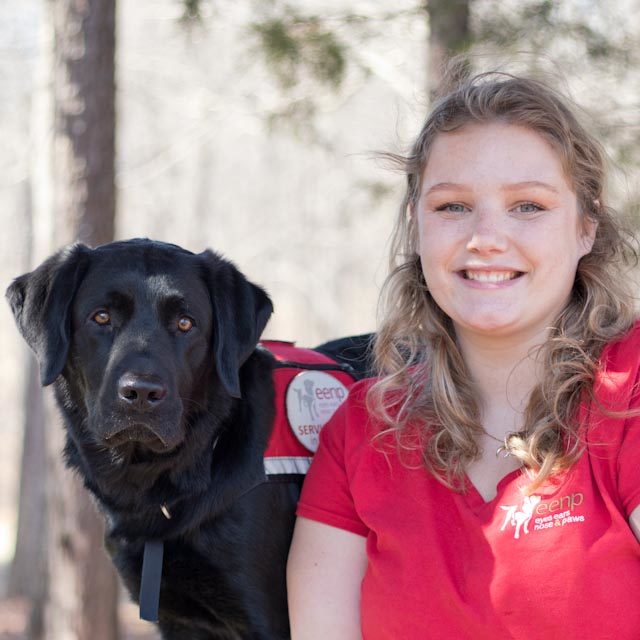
x: 142, y: 435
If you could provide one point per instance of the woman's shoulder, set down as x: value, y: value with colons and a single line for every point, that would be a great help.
x: 623, y: 350
x: 613, y: 437
x: 616, y: 381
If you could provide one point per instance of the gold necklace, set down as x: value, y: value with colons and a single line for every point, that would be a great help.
x: 503, y: 448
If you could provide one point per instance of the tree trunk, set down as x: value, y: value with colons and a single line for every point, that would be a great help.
x: 449, y: 34
x: 81, y: 599
x: 84, y: 102
x: 27, y: 568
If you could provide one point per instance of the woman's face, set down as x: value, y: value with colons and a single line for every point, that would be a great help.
x: 500, y: 235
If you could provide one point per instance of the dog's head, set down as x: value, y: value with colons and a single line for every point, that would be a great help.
x: 137, y: 330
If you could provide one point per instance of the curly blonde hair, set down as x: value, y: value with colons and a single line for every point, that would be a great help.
x: 424, y: 388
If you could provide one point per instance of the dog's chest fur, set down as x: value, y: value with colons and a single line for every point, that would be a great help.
x: 220, y: 572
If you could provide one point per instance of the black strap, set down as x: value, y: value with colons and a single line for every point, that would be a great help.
x: 336, y: 365
x: 150, y: 581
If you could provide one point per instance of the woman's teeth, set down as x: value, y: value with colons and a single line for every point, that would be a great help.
x: 490, y: 276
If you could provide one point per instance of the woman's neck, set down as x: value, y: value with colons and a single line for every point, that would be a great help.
x: 504, y: 372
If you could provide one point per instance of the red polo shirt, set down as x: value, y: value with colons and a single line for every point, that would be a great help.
x: 562, y: 563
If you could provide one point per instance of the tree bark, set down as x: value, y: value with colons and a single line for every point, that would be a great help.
x: 27, y: 568
x: 84, y: 102
x: 81, y: 599
x: 449, y: 34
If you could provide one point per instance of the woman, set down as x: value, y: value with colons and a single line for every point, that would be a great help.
x: 487, y: 484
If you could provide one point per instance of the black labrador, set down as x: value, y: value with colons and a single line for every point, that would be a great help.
x: 168, y: 407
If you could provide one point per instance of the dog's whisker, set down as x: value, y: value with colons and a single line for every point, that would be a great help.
x: 197, y: 404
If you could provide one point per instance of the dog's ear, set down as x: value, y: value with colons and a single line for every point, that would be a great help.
x: 241, y: 311
x: 41, y: 303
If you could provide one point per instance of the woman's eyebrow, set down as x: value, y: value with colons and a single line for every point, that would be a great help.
x: 447, y: 186
x: 515, y: 186
x: 529, y: 184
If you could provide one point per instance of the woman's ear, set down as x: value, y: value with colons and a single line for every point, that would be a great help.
x: 589, y: 230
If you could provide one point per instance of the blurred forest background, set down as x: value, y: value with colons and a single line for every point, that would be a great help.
x: 249, y: 127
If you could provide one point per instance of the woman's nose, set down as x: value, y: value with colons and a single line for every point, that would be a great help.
x: 487, y: 232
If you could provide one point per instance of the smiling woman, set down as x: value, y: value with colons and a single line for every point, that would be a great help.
x: 509, y: 325
x: 499, y: 246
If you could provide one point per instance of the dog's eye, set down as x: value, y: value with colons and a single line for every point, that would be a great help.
x: 185, y: 323
x: 101, y: 317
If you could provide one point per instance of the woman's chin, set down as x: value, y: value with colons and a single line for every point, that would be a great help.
x: 489, y: 325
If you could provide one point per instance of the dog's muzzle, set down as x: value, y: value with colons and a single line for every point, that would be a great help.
x: 143, y: 413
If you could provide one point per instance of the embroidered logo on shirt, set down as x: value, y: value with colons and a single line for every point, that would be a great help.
x: 520, y: 517
x: 557, y: 512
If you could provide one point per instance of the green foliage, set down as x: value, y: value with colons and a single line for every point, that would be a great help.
x: 298, y: 118
x: 307, y: 53
x: 536, y: 25
x: 376, y: 190
x: 295, y: 45
x: 282, y: 50
x: 592, y: 48
x: 584, y: 41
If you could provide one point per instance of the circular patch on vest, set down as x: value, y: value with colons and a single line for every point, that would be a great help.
x: 312, y: 398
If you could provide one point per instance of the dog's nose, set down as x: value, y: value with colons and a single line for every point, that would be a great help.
x: 141, y: 392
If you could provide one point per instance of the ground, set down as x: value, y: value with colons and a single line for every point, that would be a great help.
x: 14, y: 612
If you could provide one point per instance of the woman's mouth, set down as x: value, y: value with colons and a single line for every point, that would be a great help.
x: 492, y: 277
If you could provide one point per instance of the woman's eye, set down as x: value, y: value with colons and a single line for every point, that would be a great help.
x: 527, y: 207
x: 185, y: 324
x: 101, y: 317
x: 452, y: 207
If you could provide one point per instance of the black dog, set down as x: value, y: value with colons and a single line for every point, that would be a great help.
x: 168, y: 407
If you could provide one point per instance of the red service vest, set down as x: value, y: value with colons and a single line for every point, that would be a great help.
x: 308, y: 387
